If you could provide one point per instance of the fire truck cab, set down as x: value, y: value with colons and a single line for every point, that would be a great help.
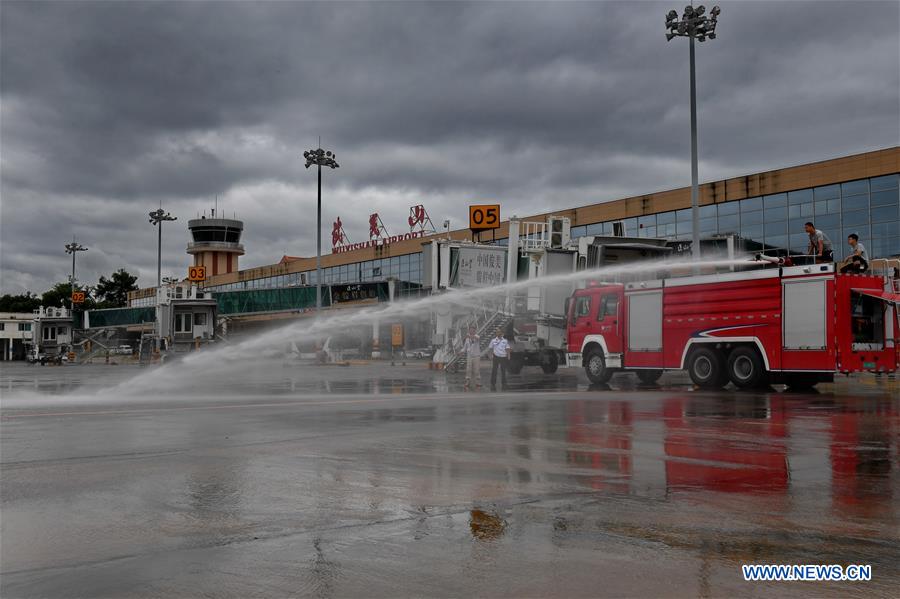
x: 796, y: 325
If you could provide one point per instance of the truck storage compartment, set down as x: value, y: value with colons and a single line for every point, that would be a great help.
x: 804, y: 322
x: 645, y: 321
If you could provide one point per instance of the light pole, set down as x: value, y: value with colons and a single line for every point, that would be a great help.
x: 156, y: 219
x: 73, y: 248
x: 320, y: 158
x: 693, y: 24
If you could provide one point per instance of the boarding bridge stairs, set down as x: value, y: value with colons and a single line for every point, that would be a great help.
x: 100, y: 345
x: 485, y: 325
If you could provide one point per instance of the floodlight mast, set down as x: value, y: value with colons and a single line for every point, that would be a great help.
x: 73, y: 248
x: 693, y: 24
x: 320, y: 158
x: 156, y: 219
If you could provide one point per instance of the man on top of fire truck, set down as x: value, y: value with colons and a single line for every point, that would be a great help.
x: 858, y: 260
x: 819, y: 244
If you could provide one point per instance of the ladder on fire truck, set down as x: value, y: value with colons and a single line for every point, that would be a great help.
x: 485, y: 323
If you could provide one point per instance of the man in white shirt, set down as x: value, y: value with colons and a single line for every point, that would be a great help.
x: 500, y: 348
x: 819, y: 244
x: 858, y: 260
x: 472, y: 349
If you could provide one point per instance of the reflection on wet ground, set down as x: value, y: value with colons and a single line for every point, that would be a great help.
x: 367, y: 491
x: 289, y: 379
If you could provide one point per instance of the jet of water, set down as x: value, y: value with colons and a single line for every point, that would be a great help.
x: 215, y: 365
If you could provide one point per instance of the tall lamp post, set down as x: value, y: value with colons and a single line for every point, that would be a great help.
x: 320, y: 158
x: 73, y: 248
x: 693, y: 24
x: 156, y: 219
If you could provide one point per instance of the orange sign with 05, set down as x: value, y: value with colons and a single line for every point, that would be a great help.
x: 484, y: 216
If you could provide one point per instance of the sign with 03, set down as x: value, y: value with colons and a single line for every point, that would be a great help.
x: 197, y: 273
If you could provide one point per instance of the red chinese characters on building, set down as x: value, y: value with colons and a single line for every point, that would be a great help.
x: 419, y: 219
x: 420, y: 226
x: 338, y: 237
x: 377, y: 230
x: 416, y: 215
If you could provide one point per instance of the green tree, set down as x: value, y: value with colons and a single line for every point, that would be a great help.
x: 60, y: 295
x: 57, y: 296
x: 113, y: 292
x: 24, y: 302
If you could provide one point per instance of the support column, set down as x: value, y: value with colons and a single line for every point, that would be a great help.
x: 695, y: 185
x: 376, y: 338
x: 319, y: 242
x: 512, y: 260
x: 730, y: 245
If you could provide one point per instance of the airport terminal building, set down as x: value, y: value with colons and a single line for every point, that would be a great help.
x: 851, y: 194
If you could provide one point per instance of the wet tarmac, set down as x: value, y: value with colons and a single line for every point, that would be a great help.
x: 392, y: 481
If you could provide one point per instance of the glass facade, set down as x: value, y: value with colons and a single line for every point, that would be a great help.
x: 868, y: 207
x: 407, y: 267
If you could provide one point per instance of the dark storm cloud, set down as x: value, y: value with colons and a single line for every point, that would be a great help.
x: 109, y: 108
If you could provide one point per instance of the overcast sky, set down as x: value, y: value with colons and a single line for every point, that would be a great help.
x: 111, y: 108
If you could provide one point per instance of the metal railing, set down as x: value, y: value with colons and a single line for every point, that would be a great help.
x: 535, y: 237
x: 484, y: 321
x: 889, y: 268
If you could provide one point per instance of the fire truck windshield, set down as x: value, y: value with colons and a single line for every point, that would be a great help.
x: 582, y: 307
x: 608, y: 306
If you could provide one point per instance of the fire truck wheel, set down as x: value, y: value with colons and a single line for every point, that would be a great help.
x: 746, y: 368
x: 595, y: 367
x: 707, y: 370
x: 649, y: 377
x: 549, y: 362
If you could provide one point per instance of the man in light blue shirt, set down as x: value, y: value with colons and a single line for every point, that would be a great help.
x: 500, y: 348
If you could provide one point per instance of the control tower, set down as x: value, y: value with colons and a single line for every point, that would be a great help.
x: 216, y: 243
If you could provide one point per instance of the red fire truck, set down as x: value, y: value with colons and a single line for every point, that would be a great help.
x: 797, y: 325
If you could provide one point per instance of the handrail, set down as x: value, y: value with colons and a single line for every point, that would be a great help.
x: 885, y: 264
x: 536, y: 236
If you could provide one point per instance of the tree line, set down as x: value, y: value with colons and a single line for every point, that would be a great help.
x: 107, y: 293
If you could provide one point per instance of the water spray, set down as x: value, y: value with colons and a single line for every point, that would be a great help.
x: 174, y: 376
